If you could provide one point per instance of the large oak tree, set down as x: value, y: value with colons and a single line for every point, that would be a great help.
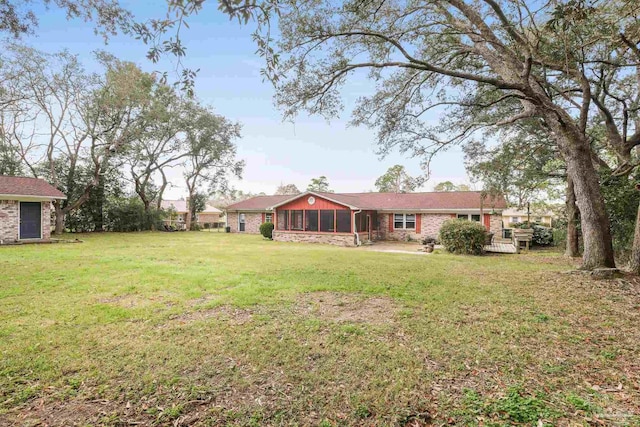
x: 561, y: 65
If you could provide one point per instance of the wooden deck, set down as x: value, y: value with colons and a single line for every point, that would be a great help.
x: 501, y: 248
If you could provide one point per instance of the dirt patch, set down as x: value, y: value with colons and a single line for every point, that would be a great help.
x: 231, y: 315
x: 339, y: 307
x: 137, y: 301
x: 72, y: 413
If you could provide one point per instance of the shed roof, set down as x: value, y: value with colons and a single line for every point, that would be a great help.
x: 30, y: 187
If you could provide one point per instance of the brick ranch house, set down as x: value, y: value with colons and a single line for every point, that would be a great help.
x: 25, y: 209
x: 349, y: 219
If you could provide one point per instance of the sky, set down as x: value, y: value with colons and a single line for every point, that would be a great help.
x: 229, y: 80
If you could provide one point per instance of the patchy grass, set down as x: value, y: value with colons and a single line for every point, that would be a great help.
x: 214, y: 329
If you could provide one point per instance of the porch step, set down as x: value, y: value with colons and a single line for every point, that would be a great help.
x: 501, y: 248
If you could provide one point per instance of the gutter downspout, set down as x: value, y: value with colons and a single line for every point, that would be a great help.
x: 358, y: 242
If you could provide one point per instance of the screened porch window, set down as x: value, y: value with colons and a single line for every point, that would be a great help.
x: 283, y: 219
x: 326, y: 221
x: 296, y: 220
x: 311, y: 220
x: 343, y: 221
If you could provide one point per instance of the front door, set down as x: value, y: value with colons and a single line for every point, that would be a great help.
x: 242, y: 222
x: 30, y: 220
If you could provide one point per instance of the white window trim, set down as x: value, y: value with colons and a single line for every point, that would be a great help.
x: 469, y: 217
x: 404, y: 221
x: 268, y: 217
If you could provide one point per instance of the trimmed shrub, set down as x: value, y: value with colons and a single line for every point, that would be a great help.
x: 460, y: 236
x: 266, y: 229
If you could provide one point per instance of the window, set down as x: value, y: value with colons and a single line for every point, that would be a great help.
x: 268, y: 218
x: 283, y: 219
x: 296, y: 220
x: 398, y: 221
x: 515, y: 219
x: 404, y: 221
x: 326, y: 221
x: 410, y: 221
x: 470, y: 217
x: 361, y: 222
x: 343, y: 221
x: 311, y: 221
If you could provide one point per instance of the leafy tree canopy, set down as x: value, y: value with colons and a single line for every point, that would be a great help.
x: 397, y: 180
x: 320, y: 184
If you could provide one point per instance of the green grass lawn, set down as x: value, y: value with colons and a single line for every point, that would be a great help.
x: 217, y: 329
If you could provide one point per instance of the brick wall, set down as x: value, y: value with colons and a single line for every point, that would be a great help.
x: 46, y: 220
x: 9, y: 221
x: 252, y: 221
x: 495, y: 224
x: 338, y: 239
x: 430, y: 227
x: 208, y: 218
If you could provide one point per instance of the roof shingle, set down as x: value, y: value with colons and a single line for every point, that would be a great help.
x: 388, y: 201
x: 25, y: 186
x: 258, y: 203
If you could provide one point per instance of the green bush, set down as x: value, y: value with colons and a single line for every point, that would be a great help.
x: 542, y: 236
x: 128, y: 214
x: 463, y: 237
x: 266, y: 230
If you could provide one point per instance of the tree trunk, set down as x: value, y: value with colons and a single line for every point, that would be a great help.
x: 635, y: 251
x: 98, y: 214
x: 596, y: 232
x: 572, y: 249
x: 59, y: 217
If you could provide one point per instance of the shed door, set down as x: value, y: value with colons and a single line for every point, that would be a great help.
x: 30, y: 220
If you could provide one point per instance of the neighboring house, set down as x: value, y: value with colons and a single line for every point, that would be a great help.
x: 512, y: 216
x: 350, y: 218
x: 25, y: 209
x: 181, y: 220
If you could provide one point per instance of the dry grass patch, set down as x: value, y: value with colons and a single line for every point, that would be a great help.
x: 341, y: 307
x: 227, y: 314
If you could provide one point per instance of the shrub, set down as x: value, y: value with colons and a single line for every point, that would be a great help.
x: 463, y: 237
x: 542, y: 236
x: 266, y: 229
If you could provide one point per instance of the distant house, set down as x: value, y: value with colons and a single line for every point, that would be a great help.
x: 25, y: 209
x: 209, y: 217
x: 512, y: 216
x: 351, y: 218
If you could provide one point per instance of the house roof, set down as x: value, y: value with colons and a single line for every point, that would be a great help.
x: 30, y: 187
x: 419, y: 201
x: 259, y: 203
x: 180, y: 206
x: 385, y: 201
